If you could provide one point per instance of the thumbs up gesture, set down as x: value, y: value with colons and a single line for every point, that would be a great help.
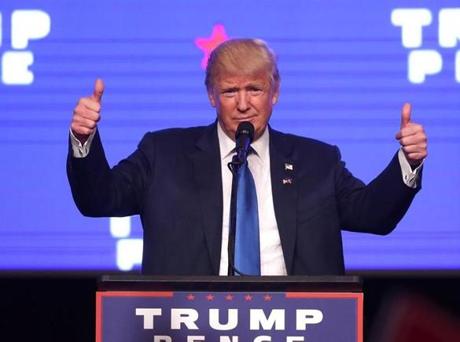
x: 412, y: 138
x: 87, y: 113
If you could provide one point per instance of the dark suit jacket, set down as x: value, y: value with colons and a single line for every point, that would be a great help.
x: 173, y: 180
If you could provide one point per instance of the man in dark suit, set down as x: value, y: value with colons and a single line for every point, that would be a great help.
x: 177, y: 179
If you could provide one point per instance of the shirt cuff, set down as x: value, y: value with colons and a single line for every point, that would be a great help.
x: 80, y: 150
x: 410, y: 177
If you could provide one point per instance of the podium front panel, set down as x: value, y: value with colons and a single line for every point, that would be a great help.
x: 234, y: 316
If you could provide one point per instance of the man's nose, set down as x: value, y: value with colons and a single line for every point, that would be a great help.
x: 242, y: 101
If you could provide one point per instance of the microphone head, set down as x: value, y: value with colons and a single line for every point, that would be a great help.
x: 245, y: 128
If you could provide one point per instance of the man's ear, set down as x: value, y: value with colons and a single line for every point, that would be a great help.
x: 211, y: 98
x: 276, y: 93
x: 275, y: 96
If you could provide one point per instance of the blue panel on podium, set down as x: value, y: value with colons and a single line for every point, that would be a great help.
x: 228, y: 316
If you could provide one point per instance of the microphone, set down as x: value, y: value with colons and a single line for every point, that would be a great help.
x: 244, y: 136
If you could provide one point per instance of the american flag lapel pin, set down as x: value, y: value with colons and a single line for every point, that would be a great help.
x: 287, y: 181
x: 288, y: 167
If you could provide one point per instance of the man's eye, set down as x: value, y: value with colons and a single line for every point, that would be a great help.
x: 255, y: 91
x: 229, y: 93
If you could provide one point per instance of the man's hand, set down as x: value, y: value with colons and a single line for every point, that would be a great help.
x: 87, y: 113
x: 412, y: 138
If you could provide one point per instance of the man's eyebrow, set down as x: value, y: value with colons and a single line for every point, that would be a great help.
x: 255, y: 85
x: 230, y: 88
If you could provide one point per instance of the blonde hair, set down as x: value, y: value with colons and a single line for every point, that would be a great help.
x: 242, y: 57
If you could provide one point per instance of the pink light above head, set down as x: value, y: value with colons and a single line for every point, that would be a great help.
x: 208, y: 44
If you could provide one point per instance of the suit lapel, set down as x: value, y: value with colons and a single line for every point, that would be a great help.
x: 284, y: 188
x: 208, y: 179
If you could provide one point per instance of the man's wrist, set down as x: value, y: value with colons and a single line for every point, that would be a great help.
x: 410, y: 174
x: 80, y: 149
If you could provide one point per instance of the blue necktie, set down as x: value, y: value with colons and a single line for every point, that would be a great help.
x: 247, y: 247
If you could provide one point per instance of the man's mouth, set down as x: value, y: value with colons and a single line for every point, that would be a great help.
x: 245, y: 118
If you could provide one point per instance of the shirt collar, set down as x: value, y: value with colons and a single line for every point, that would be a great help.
x: 227, y: 145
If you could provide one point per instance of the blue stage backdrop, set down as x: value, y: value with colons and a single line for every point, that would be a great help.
x: 346, y: 66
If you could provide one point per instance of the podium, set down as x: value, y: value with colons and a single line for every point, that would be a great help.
x: 229, y: 309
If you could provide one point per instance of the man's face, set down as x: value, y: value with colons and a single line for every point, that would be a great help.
x: 243, y: 98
